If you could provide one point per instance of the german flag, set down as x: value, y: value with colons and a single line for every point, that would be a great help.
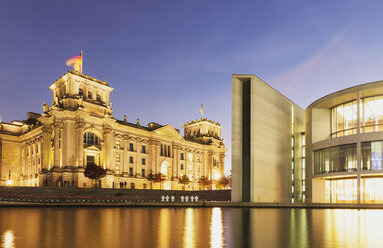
x: 75, y: 62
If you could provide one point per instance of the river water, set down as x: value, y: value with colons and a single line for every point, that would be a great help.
x: 189, y: 227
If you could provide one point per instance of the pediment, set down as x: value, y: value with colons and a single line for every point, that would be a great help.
x: 92, y: 148
x: 168, y: 131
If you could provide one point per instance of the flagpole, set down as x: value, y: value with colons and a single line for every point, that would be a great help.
x: 81, y: 61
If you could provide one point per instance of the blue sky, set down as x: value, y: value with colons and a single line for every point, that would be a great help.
x: 165, y: 58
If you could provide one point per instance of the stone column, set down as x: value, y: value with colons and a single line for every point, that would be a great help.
x: 69, y: 144
x: 210, y: 165
x: 46, y: 147
x: 222, y: 163
x: 57, y: 151
x: 108, y: 144
x: 125, y: 166
x: 175, y: 153
x: 80, y: 144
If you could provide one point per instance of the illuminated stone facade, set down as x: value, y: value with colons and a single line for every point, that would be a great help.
x: 52, y: 149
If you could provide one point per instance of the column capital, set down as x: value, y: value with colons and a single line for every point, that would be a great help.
x: 80, y: 124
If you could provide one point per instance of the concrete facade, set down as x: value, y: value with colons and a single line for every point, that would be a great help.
x: 332, y: 152
x: 52, y: 149
x: 266, y: 143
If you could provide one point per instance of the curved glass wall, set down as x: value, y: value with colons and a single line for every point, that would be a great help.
x: 335, y: 159
x: 371, y: 190
x: 344, y: 119
x: 371, y: 114
x: 372, y: 155
x: 341, y: 190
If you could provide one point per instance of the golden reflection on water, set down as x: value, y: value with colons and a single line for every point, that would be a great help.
x: 216, y: 229
x: 164, y: 228
x: 189, y: 241
x: 190, y: 227
x: 8, y: 239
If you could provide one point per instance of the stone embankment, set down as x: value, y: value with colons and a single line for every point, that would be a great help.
x: 91, y: 196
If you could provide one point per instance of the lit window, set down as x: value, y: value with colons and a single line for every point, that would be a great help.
x: 90, y: 138
x: 190, y: 157
x: 118, y: 144
x: 117, y: 158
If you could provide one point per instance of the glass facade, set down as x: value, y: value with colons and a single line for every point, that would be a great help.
x: 341, y: 190
x: 371, y: 190
x: 335, y: 159
x: 371, y: 114
x: 344, y: 119
x: 372, y: 155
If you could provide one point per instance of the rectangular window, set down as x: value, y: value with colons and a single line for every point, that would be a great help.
x: 117, y: 158
x: 344, y: 118
x: 90, y: 138
x: 143, y: 149
x: 335, y: 159
x: 143, y: 173
x: 182, y: 156
x: 182, y: 166
x: 131, y: 159
x: 118, y: 145
x: 162, y: 150
x: 131, y: 171
x: 131, y: 147
x: 372, y: 153
x: 89, y: 159
x: 143, y: 161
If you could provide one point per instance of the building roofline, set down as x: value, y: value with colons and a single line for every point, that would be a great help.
x: 84, y: 76
x: 348, y: 90
x: 255, y: 76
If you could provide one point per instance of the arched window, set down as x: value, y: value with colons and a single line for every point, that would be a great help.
x: 98, y: 98
x: 89, y: 95
x: 90, y: 138
x: 80, y: 92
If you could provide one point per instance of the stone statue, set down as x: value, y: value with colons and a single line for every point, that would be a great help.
x: 81, y: 102
x: 45, y: 107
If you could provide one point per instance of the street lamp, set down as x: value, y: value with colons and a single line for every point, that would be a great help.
x: 10, y: 181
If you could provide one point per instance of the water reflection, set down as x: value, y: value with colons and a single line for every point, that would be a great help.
x: 8, y: 239
x: 191, y: 227
x: 216, y: 229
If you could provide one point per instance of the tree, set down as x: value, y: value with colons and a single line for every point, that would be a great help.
x: 94, y: 172
x: 184, y: 180
x: 150, y: 177
x: 204, y: 182
x: 222, y: 182
x: 159, y: 178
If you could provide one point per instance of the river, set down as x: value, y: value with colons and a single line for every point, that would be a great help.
x: 189, y: 227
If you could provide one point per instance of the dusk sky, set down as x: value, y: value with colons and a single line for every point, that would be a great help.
x: 165, y: 58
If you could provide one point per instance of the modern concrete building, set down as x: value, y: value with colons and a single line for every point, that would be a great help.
x: 79, y: 128
x: 266, y: 143
x: 345, y: 143
x: 334, y: 154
